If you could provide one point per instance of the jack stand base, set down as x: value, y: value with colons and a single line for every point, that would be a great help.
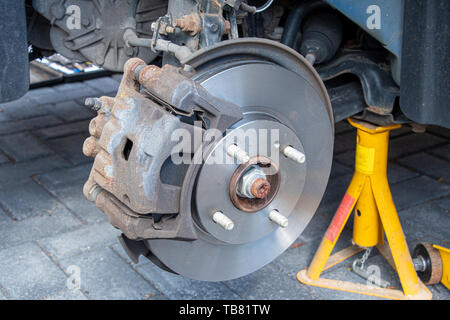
x: 370, y: 290
x: 369, y: 196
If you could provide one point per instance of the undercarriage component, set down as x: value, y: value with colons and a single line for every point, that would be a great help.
x: 379, y: 91
x: 321, y: 37
x: 93, y: 30
x: 295, y: 19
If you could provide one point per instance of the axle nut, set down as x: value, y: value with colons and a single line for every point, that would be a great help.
x: 260, y: 188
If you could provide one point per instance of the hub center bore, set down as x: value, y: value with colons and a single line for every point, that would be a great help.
x: 254, y: 184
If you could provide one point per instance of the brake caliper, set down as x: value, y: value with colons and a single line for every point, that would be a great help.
x: 132, y: 179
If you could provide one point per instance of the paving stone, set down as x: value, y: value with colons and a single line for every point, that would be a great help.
x: 23, y: 108
x: 71, y: 86
x: 397, y: 173
x: 158, y: 297
x: 80, y: 241
x: 177, y: 287
x: 23, y: 146
x: 335, y: 191
x: 439, y: 292
x: 271, y: 284
x: 342, y: 126
x: 117, y: 77
x: 441, y: 152
x: 3, y: 159
x: 416, y: 191
x: 28, y: 124
x: 347, y: 158
x: 18, y: 171
x: 4, y: 218
x: 346, y: 141
x: 17, y: 232
x: 67, y: 186
x: 429, y: 165
x: 75, y: 90
x: 300, y: 255
x: 104, y: 275
x: 444, y: 203
x: 62, y: 130
x: 338, y: 170
x: 27, y: 273
x: 439, y: 131
x: 25, y: 198
x: 25, y: 112
x: 405, y: 129
x: 412, y: 143
x: 46, y: 95
x: 3, y: 117
x: 24, y: 100
x: 67, y: 294
x: 105, y: 84
x: 70, y: 111
x: 71, y: 148
x: 427, y: 222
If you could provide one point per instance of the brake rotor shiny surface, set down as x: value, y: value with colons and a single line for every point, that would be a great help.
x: 271, y: 97
x: 212, y: 192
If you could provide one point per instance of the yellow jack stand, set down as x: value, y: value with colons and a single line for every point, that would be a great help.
x: 445, y: 261
x: 375, y: 215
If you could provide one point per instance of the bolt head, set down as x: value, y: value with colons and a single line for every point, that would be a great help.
x: 260, y: 188
x: 214, y: 27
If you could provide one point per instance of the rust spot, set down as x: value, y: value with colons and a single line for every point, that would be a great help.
x: 260, y: 188
x: 296, y: 245
x: 188, y: 23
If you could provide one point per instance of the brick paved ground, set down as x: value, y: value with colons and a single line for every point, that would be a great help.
x: 46, y: 224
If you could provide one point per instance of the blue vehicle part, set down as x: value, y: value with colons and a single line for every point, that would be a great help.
x: 425, y: 74
x: 391, y: 24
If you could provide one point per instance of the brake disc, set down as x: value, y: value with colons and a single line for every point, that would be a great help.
x: 276, y: 89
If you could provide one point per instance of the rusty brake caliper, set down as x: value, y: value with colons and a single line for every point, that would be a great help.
x: 131, y: 144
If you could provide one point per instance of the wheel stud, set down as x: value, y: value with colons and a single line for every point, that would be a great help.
x: 222, y: 220
x: 237, y: 153
x: 293, y: 154
x: 278, y: 218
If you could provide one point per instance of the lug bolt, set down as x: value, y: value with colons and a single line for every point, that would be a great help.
x: 278, y: 218
x: 93, y: 103
x: 236, y: 152
x: 223, y: 221
x: 294, y: 154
